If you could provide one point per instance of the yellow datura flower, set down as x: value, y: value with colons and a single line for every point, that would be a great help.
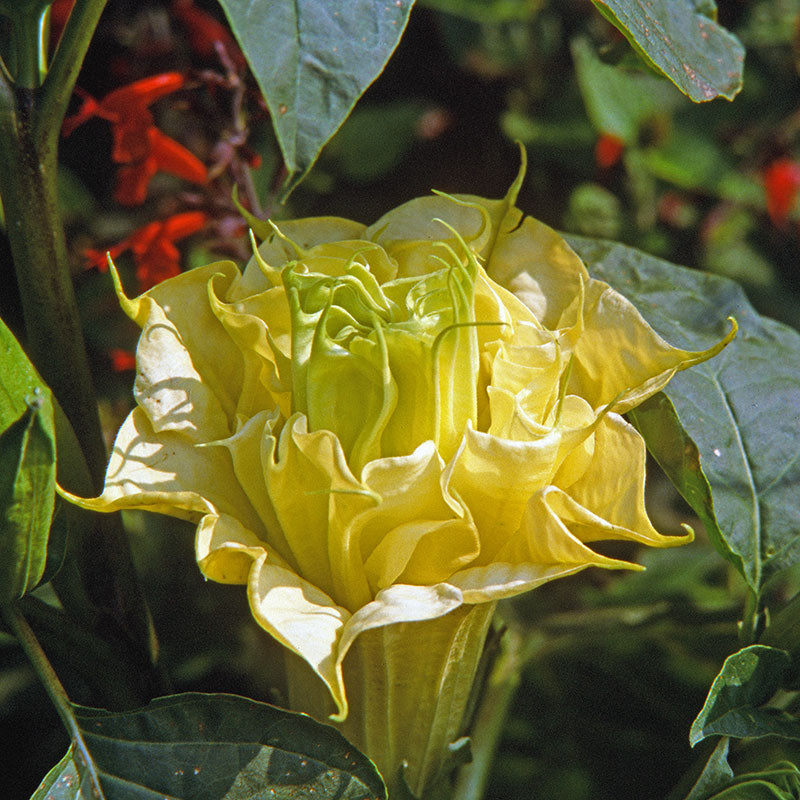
x: 383, y: 430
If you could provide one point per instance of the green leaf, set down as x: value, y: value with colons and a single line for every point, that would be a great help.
x: 374, y: 140
x: 781, y: 781
x: 619, y: 101
x: 313, y: 59
x: 716, y: 773
x: 63, y: 783
x: 27, y: 470
x: 676, y: 453
x: 682, y: 40
x: 747, y: 680
x: 741, y: 409
x: 17, y: 8
x: 690, y: 159
x: 217, y: 747
x: 27, y: 497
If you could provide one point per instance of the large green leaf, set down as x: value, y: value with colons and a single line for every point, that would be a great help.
x: 63, y: 782
x: 215, y: 747
x: 27, y: 498
x: 716, y: 774
x: 780, y: 781
x: 313, y: 59
x: 682, y: 40
x: 741, y: 409
x: 619, y: 101
x: 734, y: 706
x: 27, y: 470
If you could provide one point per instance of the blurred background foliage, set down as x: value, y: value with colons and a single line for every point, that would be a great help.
x: 617, y: 666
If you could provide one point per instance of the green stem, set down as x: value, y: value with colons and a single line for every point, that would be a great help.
x: 30, y: 121
x: 26, y: 36
x: 65, y: 66
x: 38, y: 247
x: 749, y: 627
x: 56, y: 692
x: 489, y: 720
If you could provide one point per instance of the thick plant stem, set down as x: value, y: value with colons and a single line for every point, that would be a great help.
x: 30, y: 122
x: 493, y: 706
x: 57, y: 694
x: 36, y: 236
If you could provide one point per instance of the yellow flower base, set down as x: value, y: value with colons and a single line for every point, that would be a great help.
x: 408, y: 687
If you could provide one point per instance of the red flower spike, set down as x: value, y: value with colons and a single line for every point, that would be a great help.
x: 175, y: 158
x: 153, y: 246
x: 122, y: 360
x: 781, y: 183
x: 142, y: 93
x: 204, y: 31
x: 608, y: 150
x: 163, y: 154
x: 138, y: 145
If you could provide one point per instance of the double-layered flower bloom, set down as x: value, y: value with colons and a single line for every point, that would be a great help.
x: 383, y: 430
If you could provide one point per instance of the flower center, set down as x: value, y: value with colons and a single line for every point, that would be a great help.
x: 385, y: 366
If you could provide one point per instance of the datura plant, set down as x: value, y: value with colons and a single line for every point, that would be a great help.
x: 382, y: 431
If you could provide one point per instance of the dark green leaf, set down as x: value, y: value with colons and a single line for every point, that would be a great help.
x: 716, y: 774
x: 63, y: 783
x: 677, y: 455
x: 682, y: 40
x: 374, y: 140
x: 741, y: 409
x: 17, y: 8
x: 27, y: 497
x: 619, y: 101
x: 313, y: 59
x: 781, y: 781
x: 690, y: 159
x: 221, y: 747
x: 747, y: 680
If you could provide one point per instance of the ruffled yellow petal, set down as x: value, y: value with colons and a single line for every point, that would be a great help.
x: 540, y: 268
x: 620, y: 357
x: 226, y: 550
x: 188, y: 369
x: 307, y: 479
x: 264, y: 349
x: 303, y: 619
x: 305, y: 233
x: 166, y: 473
x: 495, y: 477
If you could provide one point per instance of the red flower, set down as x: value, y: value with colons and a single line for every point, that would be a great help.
x: 608, y: 150
x: 122, y: 360
x: 204, y: 32
x: 138, y: 145
x: 781, y: 183
x: 153, y: 246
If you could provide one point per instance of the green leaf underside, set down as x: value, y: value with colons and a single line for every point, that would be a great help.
x: 215, y: 747
x: 681, y: 40
x: 733, y: 707
x: 27, y: 497
x: 63, y: 782
x: 27, y: 470
x: 619, y: 101
x: 716, y: 773
x: 779, y: 781
x: 741, y: 408
x: 312, y: 60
